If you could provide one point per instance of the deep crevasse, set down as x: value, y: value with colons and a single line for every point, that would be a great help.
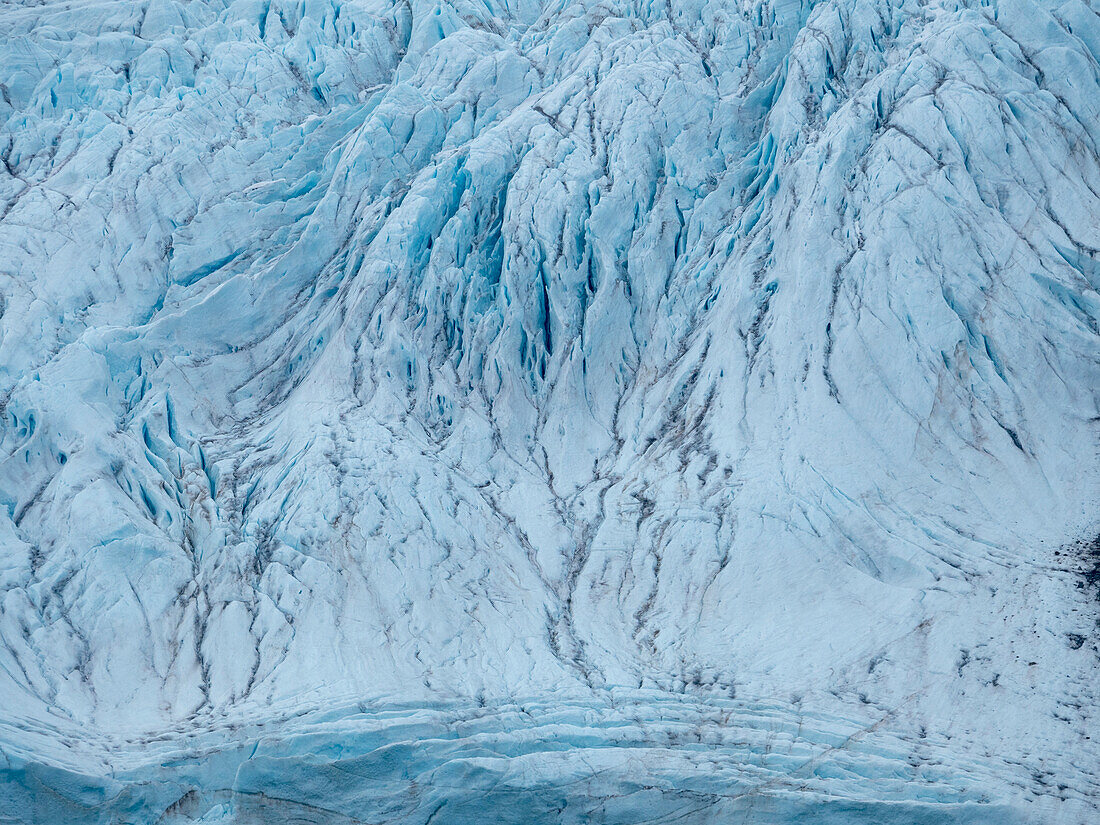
x: 587, y: 412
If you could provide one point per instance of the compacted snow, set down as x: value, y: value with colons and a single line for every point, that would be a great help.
x: 606, y: 411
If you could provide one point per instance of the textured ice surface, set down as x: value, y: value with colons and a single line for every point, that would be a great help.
x: 605, y: 411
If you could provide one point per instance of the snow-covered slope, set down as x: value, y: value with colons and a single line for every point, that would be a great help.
x: 599, y: 411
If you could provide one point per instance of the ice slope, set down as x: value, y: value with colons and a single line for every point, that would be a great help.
x: 588, y: 412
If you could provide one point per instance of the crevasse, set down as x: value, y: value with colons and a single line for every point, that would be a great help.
x: 580, y: 412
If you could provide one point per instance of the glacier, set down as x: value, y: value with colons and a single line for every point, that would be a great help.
x: 583, y: 411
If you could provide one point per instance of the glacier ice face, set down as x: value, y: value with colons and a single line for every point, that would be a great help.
x: 589, y: 411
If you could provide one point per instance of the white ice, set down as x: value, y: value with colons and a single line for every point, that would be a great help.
x: 464, y: 411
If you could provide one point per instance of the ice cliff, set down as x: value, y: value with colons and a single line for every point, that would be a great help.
x: 589, y: 411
